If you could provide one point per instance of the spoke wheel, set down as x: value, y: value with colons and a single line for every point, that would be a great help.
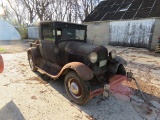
x: 74, y: 88
x: 77, y: 89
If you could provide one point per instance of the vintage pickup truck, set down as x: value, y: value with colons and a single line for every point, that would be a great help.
x: 63, y: 51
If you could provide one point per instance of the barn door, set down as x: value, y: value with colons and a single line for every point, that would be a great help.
x: 135, y: 33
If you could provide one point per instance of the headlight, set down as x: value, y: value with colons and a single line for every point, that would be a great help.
x: 113, y: 54
x: 93, y: 57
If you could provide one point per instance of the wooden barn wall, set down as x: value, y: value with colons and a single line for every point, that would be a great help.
x: 134, y: 33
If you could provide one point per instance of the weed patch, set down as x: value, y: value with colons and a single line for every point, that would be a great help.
x: 2, y: 49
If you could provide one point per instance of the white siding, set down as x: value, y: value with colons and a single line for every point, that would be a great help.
x: 136, y: 33
x: 33, y: 32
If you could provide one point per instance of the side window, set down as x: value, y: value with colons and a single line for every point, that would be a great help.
x: 59, y: 33
x: 48, y: 34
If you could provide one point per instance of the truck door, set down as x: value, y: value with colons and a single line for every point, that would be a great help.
x: 47, y: 44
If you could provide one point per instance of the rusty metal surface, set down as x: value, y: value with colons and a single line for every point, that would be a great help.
x: 118, y: 85
x: 83, y: 71
x: 124, y: 9
x: 79, y: 51
x: 69, y: 54
x: 96, y: 92
x: 1, y: 64
x: 71, y: 51
x: 34, y: 52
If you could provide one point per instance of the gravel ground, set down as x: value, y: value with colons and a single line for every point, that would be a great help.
x: 34, y: 96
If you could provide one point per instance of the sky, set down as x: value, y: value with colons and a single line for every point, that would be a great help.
x: 1, y: 11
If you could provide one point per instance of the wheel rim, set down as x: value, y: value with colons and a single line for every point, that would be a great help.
x: 74, y: 88
x: 31, y: 62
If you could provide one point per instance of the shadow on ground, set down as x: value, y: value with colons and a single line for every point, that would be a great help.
x: 10, y: 112
x: 112, y: 108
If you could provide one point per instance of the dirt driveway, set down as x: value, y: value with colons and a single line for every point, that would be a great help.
x: 14, y: 46
x: 34, y: 96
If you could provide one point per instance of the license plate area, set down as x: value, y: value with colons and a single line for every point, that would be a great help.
x: 102, y: 63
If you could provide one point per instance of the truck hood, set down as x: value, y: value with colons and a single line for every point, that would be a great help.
x: 79, y: 47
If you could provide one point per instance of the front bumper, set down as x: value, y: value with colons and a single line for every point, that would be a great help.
x: 116, y: 85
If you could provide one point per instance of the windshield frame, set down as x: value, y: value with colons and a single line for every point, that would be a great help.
x: 56, y: 25
x: 71, y: 34
x: 67, y: 25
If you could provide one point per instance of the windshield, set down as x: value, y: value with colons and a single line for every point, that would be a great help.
x: 70, y: 34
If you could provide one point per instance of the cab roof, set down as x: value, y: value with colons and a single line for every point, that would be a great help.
x: 61, y: 24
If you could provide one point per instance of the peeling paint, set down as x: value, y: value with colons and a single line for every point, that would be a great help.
x: 135, y: 33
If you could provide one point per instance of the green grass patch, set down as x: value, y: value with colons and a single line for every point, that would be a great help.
x: 2, y: 49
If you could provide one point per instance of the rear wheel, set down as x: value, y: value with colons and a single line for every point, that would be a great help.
x: 121, y: 70
x: 32, y: 63
x: 77, y: 89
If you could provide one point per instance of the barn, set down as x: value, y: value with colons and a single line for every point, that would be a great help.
x: 8, y: 32
x: 133, y: 23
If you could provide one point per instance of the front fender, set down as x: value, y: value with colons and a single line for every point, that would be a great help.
x: 34, y: 52
x: 82, y: 70
x: 117, y: 61
x: 120, y: 60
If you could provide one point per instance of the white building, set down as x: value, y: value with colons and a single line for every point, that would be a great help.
x: 8, y: 31
x: 134, y: 23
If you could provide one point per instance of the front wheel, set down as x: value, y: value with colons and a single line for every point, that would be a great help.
x: 77, y: 89
x: 32, y: 63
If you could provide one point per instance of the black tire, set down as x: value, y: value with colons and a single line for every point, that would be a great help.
x: 32, y: 63
x: 80, y: 96
x: 121, y: 70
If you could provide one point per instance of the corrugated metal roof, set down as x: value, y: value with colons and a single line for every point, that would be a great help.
x: 124, y: 9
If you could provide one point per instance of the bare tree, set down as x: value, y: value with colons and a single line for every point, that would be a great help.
x: 19, y: 11
x: 30, y: 4
x: 42, y: 9
x: 84, y: 7
x: 61, y: 10
x: 6, y: 15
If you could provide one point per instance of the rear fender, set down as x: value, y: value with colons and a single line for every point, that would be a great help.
x: 118, y: 61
